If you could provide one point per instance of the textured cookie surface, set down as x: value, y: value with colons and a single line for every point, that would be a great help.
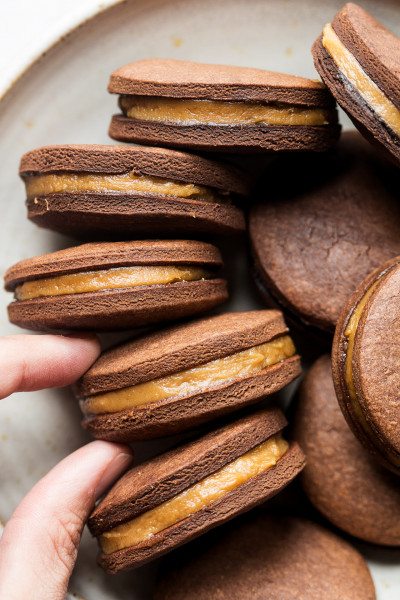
x: 279, y: 558
x: 317, y: 235
x: 341, y: 478
x: 365, y: 357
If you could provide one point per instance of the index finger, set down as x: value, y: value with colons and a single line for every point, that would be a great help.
x: 33, y: 362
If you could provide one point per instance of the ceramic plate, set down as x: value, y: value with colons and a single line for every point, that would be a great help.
x: 62, y: 98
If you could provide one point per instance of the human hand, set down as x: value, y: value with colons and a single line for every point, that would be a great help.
x: 40, y: 542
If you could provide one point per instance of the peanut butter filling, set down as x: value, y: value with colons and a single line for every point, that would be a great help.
x: 190, y: 381
x: 176, y: 110
x: 349, y: 334
x: 353, y: 72
x: 196, y: 497
x: 42, y: 185
x: 110, y: 279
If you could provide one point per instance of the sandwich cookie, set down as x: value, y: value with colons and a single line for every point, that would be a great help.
x: 89, y: 190
x: 359, y: 60
x: 218, y: 108
x: 177, y: 378
x: 115, y: 285
x: 175, y: 497
x: 365, y: 363
x: 343, y: 481
x: 321, y: 231
x: 268, y: 556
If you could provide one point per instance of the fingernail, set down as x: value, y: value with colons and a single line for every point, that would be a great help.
x: 113, y: 470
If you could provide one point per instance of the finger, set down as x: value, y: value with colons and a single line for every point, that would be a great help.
x: 40, y: 542
x: 33, y: 362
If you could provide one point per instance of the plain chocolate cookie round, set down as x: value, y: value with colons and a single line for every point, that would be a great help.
x: 341, y: 478
x: 279, y: 558
x: 318, y: 233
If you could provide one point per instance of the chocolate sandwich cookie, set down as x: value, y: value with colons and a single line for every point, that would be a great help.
x: 269, y: 556
x: 359, y: 60
x: 320, y: 232
x: 115, y: 285
x: 177, y: 378
x: 343, y: 481
x: 217, y: 108
x: 365, y: 363
x: 175, y: 497
x: 88, y: 190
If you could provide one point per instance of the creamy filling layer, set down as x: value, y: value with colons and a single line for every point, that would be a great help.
x: 176, y: 110
x: 93, y: 281
x: 363, y: 84
x: 53, y: 183
x: 196, y: 497
x: 190, y: 381
x: 349, y: 334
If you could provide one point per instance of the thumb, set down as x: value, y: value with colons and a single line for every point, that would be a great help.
x: 40, y: 542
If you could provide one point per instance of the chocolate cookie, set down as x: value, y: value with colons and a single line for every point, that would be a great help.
x: 217, y: 108
x: 175, y: 497
x: 118, y: 285
x: 269, y: 556
x: 359, y: 60
x: 365, y: 358
x: 318, y: 233
x: 117, y: 190
x: 341, y: 478
x: 177, y: 378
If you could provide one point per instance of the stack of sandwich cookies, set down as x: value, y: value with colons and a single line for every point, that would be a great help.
x: 365, y: 358
x: 217, y: 108
x: 180, y: 377
x: 175, y: 497
x: 342, y: 479
x: 318, y: 234
x: 115, y: 285
x: 89, y: 190
x: 359, y: 61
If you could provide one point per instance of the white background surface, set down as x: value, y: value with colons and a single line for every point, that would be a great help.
x: 64, y: 100
x: 28, y: 27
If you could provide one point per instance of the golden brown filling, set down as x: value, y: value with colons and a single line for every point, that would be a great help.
x: 176, y: 110
x: 193, y: 380
x: 353, y: 72
x: 350, y: 333
x: 42, y: 185
x: 110, y: 279
x: 196, y: 497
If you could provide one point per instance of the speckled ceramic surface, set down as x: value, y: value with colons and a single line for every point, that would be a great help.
x: 63, y: 99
